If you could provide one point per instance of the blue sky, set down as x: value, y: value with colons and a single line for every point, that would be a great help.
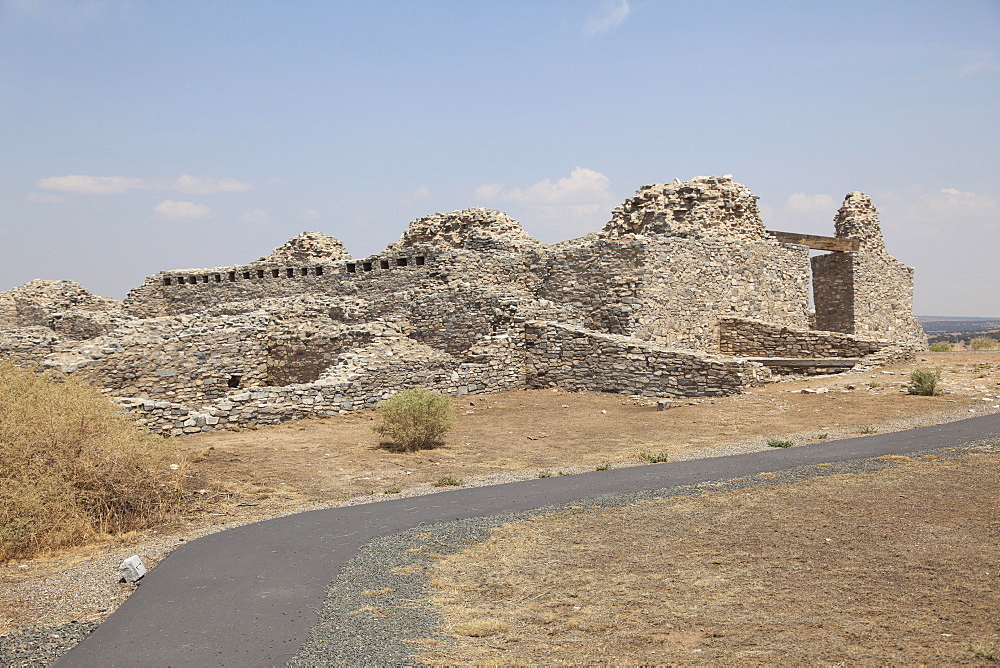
x: 142, y: 135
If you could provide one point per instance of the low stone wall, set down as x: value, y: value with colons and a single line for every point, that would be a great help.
x: 752, y: 338
x: 579, y: 359
x: 358, y: 380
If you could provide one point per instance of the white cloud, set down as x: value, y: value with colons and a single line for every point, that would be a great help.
x: 255, y: 216
x: 418, y: 195
x: 489, y: 191
x: 941, y: 211
x: 977, y: 62
x: 90, y: 185
x: 576, y: 204
x: 45, y: 198
x: 206, y: 185
x: 608, y: 17
x: 180, y: 211
x: 311, y: 213
x: 808, y: 213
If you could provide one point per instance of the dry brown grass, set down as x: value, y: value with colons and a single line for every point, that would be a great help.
x: 890, y: 568
x: 72, y: 468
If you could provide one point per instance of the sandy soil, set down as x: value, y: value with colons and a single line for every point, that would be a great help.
x: 240, y: 477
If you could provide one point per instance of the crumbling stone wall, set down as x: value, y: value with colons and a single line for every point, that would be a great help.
x: 468, y: 302
x: 867, y: 292
x: 749, y: 338
x: 578, y: 359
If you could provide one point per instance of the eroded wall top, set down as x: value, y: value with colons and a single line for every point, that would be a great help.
x: 857, y: 218
x: 706, y: 207
x: 308, y: 247
x: 472, y: 229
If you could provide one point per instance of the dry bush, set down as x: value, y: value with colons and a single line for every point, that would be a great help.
x: 72, y: 467
x: 983, y: 343
x: 415, y: 418
x: 924, y: 382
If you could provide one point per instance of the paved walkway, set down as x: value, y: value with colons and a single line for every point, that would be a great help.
x: 248, y: 596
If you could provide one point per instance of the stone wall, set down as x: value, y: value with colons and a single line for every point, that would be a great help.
x: 578, y: 359
x: 750, y: 338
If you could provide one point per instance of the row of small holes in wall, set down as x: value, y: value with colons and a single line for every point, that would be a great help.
x: 352, y: 267
x: 247, y: 275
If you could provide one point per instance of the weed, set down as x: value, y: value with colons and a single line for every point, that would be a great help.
x: 867, y: 429
x: 378, y: 592
x: 72, y: 467
x: 545, y: 473
x: 987, y: 653
x: 941, y: 347
x: 448, y: 481
x: 415, y: 419
x: 775, y: 443
x: 983, y: 343
x: 924, y: 382
x: 874, y: 385
x: 603, y: 467
x: 392, y: 490
x: 822, y: 437
x: 479, y: 628
x: 654, y: 457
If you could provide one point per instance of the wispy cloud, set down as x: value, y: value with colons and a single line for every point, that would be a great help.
x: 977, y: 62
x: 311, y: 214
x: 575, y: 204
x: 809, y: 213
x: 81, y: 184
x: 255, y: 216
x: 180, y: 211
x: 607, y: 17
x: 90, y: 185
x: 206, y: 185
x: 44, y: 198
x: 940, y: 212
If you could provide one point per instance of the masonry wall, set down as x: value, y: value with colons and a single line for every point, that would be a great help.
x: 749, y: 338
x: 689, y: 285
x: 833, y: 292
x: 577, y: 359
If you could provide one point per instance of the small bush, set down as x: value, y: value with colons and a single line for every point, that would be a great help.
x: 983, y: 343
x: 73, y: 468
x: 654, y: 457
x: 545, y: 473
x: 603, y: 467
x: 415, y: 419
x: 924, y: 382
x: 774, y: 443
x: 941, y: 347
x: 448, y: 481
x: 392, y: 490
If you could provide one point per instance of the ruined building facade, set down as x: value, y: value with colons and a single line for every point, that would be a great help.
x: 683, y: 293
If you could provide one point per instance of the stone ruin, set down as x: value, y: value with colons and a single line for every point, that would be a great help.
x: 684, y: 293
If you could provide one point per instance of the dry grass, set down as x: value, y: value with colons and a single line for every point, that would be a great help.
x: 72, y: 468
x: 891, y: 568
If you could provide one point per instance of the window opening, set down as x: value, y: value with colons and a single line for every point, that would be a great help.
x: 289, y: 272
x: 319, y: 271
x: 234, y: 381
x: 420, y: 260
x: 351, y: 268
x: 383, y: 264
x: 260, y: 273
x: 401, y: 261
x: 246, y: 275
x: 166, y: 281
x: 276, y: 273
x: 367, y: 266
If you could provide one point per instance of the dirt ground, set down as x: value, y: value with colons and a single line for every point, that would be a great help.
x: 334, y: 459
x: 240, y: 477
x: 899, y: 567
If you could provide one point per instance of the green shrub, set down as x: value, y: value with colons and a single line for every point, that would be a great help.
x: 983, y: 343
x: 654, y: 457
x: 448, y: 481
x: 774, y: 443
x: 73, y: 468
x: 415, y: 419
x: 941, y: 347
x: 544, y: 473
x: 924, y: 382
x: 603, y: 467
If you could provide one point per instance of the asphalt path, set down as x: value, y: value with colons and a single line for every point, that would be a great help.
x: 249, y: 596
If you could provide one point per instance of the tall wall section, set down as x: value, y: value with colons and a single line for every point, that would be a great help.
x: 867, y: 292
